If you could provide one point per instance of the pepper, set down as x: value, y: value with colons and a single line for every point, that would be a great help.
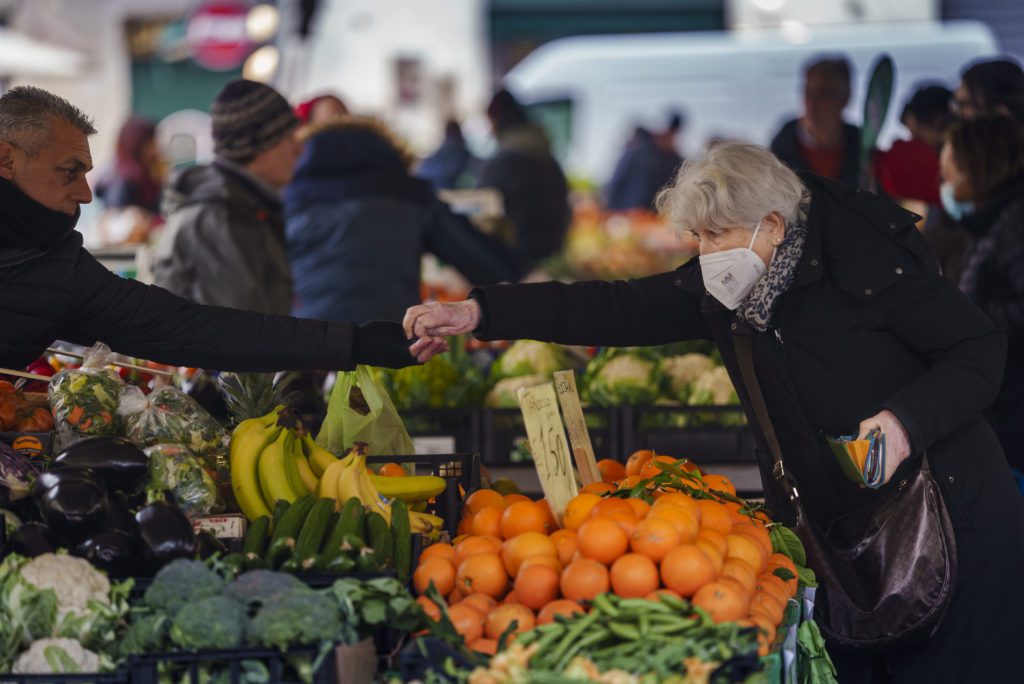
x: 121, y: 465
x: 114, y: 552
x: 166, y: 534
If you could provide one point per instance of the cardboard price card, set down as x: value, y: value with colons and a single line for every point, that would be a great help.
x: 546, y: 433
x: 579, y: 436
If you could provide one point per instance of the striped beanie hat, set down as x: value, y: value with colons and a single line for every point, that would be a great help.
x: 248, y: 118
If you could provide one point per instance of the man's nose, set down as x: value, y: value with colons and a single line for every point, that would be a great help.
x: 82, y: 192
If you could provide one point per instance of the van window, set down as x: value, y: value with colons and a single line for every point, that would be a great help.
x: 555, y: 117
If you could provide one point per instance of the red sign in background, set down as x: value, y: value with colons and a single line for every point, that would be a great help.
x: 216, y: 35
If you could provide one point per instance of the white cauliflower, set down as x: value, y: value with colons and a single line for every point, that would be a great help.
x: 713, y: 388
x: 625, y: 379
x: 529, y: 357
x: 74, y: 580
x: 503, y: 394
x: 685, y: 369
x: 56, y: 656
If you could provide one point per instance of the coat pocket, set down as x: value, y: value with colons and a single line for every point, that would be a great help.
x: 949, y: 487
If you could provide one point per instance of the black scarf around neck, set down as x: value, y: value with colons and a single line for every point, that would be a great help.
x: 27, y: 225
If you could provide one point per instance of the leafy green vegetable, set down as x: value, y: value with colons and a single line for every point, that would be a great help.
x: 85, y: 400
x: 365, y: 606
x: 785, y: 541
x: 814, y: 666
x: 449, y: 380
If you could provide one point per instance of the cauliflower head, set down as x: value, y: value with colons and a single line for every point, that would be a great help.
x: 624, y: 379
x: 529, y: 357
x: 74, y: 580
x: 682, y: 371
x: 56, y: 656
x: 503, y: 394
x: 714, y: 388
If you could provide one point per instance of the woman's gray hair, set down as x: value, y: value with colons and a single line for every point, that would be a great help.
x: 27, y: 112
x: 733, y: 185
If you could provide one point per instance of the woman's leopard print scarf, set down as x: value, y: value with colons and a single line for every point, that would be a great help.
x: 758, y: 307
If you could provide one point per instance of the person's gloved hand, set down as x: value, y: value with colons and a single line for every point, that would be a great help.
x: 383, y: 343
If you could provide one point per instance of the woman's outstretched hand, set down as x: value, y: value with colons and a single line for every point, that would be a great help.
x: 897, y: 441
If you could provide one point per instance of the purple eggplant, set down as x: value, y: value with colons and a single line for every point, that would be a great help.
x: 74, y: 508
x: 121, y: 465
x: 31, y: 539
x: 114, y: 552
x: 51, y: 478
x: 166, y: 534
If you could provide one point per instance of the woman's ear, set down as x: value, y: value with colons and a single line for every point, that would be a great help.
x: 776, y: 227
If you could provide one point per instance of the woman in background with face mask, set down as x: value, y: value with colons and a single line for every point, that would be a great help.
x: 983, y: 188
x: 852, y: 330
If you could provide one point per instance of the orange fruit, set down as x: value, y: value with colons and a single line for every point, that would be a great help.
x: 483, y: 574
x: 626, y: 520
x: 765, y: 633
x: 636, y: 461
x: 465, y: 525
x: 481, y: 602
x: 536, y: 586
x: 650, y: 468
x: 584, y: 579
x: 634, y: 576
x: 774, y: 585
x: 640, y: 507
x: 779, y: 560
x: 686, y: 525
x: 715, y: 539
x: 714, y: 516
x: 737, y: 517
x: 430, y: 608
x: 602, y: 539
x: 499, y: 620
x: 747, y: 549
x: 552, y: 522
x: 711, y: 551
x: 483, y: 498
x: 440, y: 571
x: 656, y: 595
x: 517, y: 549
x: 548, y: 561
x: 611, y: 470
x: 565, y: 543
x: 578, y: 510
x: 654, y: 538
x: 391, y: 470
x: 741, y: 572
x: 679, y: 500
x: 468, y: 621
x: 488, y: 522
x: 630, y: 482
x: 514, y: 498
x: 598, y: 488
x: 719, y: 483
x: 560, y: 607
x: 610, y: 506
x: 774, y: 607
x: 510, y: 598
x: 523, y: 516
x: 485, y: 646
x: 438, y: 550
x: 686, y: 569
x: 723, y: 602
x: 474, y: 546
x: 757, y: 533
x: 457, y: 595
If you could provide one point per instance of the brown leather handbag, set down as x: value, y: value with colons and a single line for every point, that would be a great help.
x: 886, y: 572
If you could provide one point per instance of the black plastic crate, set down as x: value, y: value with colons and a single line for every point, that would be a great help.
x: 119, y: 677
x: 504, y: 435
x: 694, y: 432
x: 186, y: 668
x: 462, y: 426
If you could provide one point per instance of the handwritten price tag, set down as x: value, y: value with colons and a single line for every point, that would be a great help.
x: 547, y: 443
x: 579, y: 436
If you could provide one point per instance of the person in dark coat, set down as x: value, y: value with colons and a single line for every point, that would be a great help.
x: 451, y: 165
x: 983, y: 174
x: 820, y: 141
x: 52, y: 288
x: 853, y: 330
x: 358, y: 225
x: 644, y: 168
x: 529, y: 178
x: 991, y: 87
x: 223, y: 242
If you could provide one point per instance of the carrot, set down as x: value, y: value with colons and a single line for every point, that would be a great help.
x: 105, y: 416
x: 76, y: 415
x: 86, y: 424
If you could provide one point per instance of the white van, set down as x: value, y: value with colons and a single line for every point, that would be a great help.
x: 591, y: 92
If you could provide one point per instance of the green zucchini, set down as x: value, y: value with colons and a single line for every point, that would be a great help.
x: 401, y: 533
x: 313, y: 529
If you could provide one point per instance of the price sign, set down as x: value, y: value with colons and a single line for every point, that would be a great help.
x: 582, y: 449
x: 221, y: 526
x: 547, y: 443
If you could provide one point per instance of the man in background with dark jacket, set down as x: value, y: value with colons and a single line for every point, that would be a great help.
x: 223, y: 242
x: 52, y: 288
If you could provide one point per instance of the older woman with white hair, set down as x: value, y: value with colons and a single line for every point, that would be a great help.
x: 848, y: 329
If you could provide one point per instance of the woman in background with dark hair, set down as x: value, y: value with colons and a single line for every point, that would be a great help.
x: 983, y: 188
x: 130, y: 190
x: 994, y: 87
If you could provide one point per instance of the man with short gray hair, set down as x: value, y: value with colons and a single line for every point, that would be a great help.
x: 52, y: 288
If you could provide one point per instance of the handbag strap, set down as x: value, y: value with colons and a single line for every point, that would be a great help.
x: 744, y: 345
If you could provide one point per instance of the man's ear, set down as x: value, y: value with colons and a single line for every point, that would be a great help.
x: 6, y: 160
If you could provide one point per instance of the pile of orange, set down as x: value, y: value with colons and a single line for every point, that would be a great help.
x: 512, y: 562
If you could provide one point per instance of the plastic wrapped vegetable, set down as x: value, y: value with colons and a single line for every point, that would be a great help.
x: 84, y: 400
x: 16, y: 475
x: 175, y: 468
x: 169, y: 416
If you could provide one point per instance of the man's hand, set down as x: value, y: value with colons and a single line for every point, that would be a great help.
x: 897, y: 441
x: 441, y: 320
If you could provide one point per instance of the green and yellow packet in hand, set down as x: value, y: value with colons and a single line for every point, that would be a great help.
x: 862, y: 460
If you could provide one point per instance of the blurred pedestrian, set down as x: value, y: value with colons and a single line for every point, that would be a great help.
x: 452, y: 165
x: 820, y: 141
x: 983, y: 188
x: 648, y: 163
x: 358, y: 225
x: 991, y: 87
x: 224, y: 239
x: 321, y: 108
x: 535, y: 190
x: 130, y: 189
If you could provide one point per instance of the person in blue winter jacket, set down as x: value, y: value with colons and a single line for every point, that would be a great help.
x: 357, y: 224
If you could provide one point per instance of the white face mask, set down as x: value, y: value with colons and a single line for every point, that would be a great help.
x: 731, y: 274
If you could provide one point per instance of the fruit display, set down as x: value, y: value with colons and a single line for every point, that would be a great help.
x: 19, y: 414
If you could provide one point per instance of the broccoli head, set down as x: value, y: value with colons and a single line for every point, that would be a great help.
x: 181, y: 582
x: 256, y: 587
x: 145, y: 634
x: 209, y: 623
x: 295, y: 618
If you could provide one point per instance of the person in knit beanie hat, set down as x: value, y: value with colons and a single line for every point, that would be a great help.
x: 224, y: 238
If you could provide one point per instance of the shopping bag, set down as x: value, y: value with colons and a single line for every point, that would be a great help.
x: 359, y: 410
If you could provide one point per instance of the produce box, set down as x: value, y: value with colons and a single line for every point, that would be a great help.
x: 705, y: 434
x: 504, y: 434
x: 120, y: 677
x: 189, y: 668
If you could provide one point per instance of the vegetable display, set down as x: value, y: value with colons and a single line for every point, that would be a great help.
x: 84, y: 400
x: 16, y: 475
x: 174, y: 468
x: 169, y: 416
x: 449, y: 380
